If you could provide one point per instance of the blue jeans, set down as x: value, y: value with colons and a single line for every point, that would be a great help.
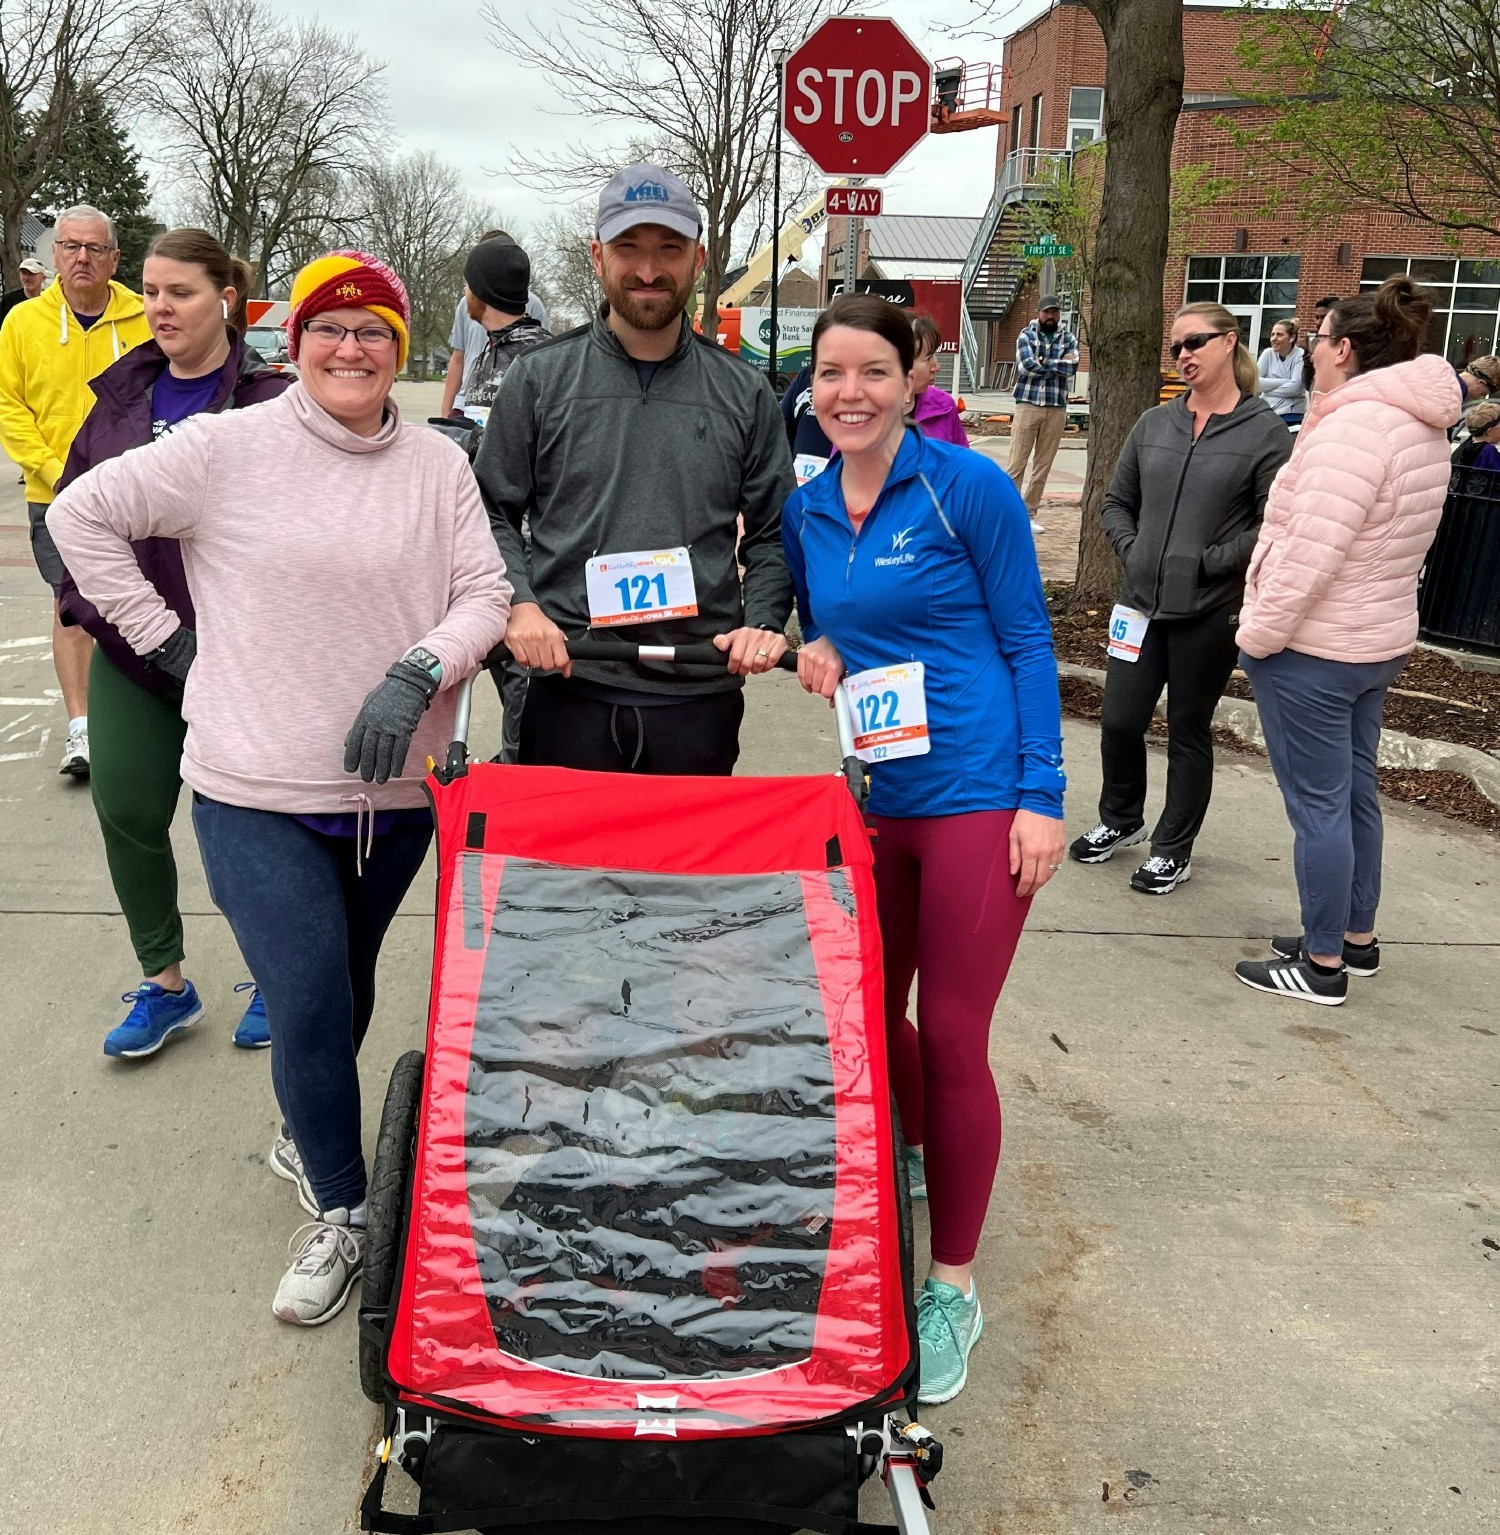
x: 1322, y: 724
x: 310, y: 928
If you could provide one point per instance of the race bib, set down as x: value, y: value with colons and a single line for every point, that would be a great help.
x: 808, y: 466
x: 889, y: 704
x: 1127, y: 629
x: 479, y: 414
x: 641, y: 587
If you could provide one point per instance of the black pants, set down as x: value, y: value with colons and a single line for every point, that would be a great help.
x: 512, y: 682
x: 564, y: 727
x: 1192, y: 658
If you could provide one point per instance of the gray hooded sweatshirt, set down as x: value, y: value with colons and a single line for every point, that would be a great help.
x: 600, y: 463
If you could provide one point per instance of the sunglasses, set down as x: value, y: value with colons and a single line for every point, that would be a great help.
x: 1193, y: 343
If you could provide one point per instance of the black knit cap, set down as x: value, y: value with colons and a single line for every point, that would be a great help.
x: 498, y: 273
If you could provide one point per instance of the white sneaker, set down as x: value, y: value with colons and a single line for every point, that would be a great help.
x: 1036, y: 527
x: 75, y: 757
x: 327, y: 1256
x: 286, y: 1162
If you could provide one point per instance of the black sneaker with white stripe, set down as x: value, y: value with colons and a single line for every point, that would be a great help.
x: 1294, y: 978
x: 1160, y: 875
x: 1359, y: 958
x: 1102, y: 843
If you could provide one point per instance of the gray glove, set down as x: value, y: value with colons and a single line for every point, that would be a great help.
x: 377, y: 745
x: 175, y: 657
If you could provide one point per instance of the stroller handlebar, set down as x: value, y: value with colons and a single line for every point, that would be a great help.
x: 673, y: 655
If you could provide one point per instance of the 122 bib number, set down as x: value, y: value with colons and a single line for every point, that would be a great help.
x: 889, y: 704
x: 640, y: 587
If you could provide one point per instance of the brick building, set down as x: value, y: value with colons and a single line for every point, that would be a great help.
x: 1261, y: 267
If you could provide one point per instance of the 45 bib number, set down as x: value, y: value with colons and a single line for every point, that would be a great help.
x: 889, y: 704
x: 642, y: 587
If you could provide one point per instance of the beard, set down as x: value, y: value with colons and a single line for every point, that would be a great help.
x: 1048, y: 325
x: 653, y: 313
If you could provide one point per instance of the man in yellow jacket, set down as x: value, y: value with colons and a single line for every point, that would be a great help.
x: 50, y: 347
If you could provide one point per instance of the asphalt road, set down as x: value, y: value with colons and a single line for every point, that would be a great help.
x: 1240, y: 1269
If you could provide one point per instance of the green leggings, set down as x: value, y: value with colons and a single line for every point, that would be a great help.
x: 135, y: 741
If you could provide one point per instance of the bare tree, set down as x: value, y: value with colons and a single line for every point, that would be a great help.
x: 52, y: 53
x: 562, y: 270
x: 263, y: 117
x: 418, y: 218
x: 696, y: 79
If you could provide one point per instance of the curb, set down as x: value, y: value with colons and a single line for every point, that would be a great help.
x: 1241, y: 719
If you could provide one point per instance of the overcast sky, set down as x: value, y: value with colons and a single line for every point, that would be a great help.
x: 452, y: 91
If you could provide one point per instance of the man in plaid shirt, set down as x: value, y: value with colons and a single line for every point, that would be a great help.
x: 1046, y: 360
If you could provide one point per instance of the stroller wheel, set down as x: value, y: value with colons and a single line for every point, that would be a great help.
x: 389, y: 1197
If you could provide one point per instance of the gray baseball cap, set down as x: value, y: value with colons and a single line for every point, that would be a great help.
x: 646, y: 194
x: 1049, y: 301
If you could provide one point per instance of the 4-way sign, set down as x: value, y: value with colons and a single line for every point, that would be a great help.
x: 858, y: 96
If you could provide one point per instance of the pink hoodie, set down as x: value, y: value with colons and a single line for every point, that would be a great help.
x: 315, y: 558
x: 1350, y: 518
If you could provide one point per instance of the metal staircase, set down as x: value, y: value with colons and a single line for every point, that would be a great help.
x: 995, y: 269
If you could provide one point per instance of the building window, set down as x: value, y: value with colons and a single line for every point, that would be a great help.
x: 1036, y: 121
x: 1257, y: 290
x: 1016, y: 141
x: 1085, y: 115
x: 1466, y: 300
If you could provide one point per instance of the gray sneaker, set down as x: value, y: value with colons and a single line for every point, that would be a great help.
x: 286, y: 1162
x: 327, y: 1256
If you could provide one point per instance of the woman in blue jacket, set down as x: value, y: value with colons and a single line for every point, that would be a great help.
x: 918, y: 590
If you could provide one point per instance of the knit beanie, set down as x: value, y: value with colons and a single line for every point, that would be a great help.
x: 349, y: 279
x: 498, y: 273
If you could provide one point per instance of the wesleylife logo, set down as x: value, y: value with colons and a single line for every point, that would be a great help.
x: 900, y: 554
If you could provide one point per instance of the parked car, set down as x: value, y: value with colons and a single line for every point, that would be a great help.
x: 269, y: 343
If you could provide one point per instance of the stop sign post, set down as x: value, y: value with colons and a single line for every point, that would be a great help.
x: 858, y: 100
x: 858, y: 96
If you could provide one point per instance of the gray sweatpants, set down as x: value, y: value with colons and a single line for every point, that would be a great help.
x: 1322, y: 724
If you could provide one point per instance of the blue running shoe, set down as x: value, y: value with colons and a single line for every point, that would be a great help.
x: 253, y: 1032
x: 916, y: 1173
x: 156, y: 1016
x: 948, y: 1327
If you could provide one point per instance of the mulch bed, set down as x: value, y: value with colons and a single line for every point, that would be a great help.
x: 1080, y: 639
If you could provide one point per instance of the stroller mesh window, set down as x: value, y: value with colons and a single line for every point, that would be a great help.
x: 649, y: 1125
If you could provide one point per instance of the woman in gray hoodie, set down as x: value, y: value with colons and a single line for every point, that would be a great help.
x: 1182, y: 512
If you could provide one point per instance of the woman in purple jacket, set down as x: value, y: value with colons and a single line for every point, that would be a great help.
x: 934, y: 410
x: 196, y: 361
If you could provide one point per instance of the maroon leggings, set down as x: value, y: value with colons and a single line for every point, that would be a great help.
x: 949, y: 913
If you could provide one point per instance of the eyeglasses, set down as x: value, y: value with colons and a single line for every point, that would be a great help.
x: 371, y: 337
x: 1317, y: 336
x: 72, y: 248
x: 1193, y: 343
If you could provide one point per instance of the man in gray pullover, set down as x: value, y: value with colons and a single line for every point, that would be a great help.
x: 652, y: 465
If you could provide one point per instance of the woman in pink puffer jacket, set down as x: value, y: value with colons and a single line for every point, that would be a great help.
x: 1330, y: 615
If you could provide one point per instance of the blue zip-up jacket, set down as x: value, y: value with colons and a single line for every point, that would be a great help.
x: 943, y: 571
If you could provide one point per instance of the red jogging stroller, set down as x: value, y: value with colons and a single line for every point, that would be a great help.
x: 639, y: 1252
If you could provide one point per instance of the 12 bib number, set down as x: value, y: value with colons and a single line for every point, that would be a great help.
x: 889, y: 705
x: 640, y: 587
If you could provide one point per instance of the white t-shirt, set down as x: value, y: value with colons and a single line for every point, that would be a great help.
x: 469, y: 336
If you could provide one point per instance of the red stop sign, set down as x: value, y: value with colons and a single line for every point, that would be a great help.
x: 858, y: 96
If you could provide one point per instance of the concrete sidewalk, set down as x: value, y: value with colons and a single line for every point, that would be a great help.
x: 1235, y: 1270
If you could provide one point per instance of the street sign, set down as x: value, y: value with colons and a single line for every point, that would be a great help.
x: 858, y: 96
x: 855, y: 202
x: 1047, y: 248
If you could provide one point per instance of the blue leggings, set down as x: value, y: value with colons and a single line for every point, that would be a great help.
x: 1322, y: 724
x: 310, y: 929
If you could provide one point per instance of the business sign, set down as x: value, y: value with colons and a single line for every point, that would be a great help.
x: 793, y: 349
x: 937, y: 298
x: 855, y: 202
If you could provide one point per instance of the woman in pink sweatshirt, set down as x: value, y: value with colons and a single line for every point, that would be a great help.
x: 343, y: 574
x: 1330, y: 615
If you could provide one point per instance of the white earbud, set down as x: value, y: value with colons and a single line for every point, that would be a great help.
x: 224, y: 305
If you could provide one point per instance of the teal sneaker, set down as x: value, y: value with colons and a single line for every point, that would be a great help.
x: 916, y: 1173
x: 948, y: 1327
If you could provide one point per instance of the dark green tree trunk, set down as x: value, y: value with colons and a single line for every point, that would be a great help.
x: 1142, y: 98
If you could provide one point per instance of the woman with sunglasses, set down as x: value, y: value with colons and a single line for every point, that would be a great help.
x: 1330, y: 615
x: 1182, y: 512
x: 344, y: 581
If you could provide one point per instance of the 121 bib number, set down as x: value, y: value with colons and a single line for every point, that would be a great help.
x: 641, y: 587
